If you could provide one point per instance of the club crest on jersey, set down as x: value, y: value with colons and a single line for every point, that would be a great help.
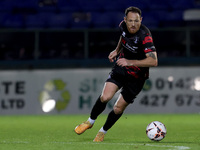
x: 136, y: 40
x: 124, y: 34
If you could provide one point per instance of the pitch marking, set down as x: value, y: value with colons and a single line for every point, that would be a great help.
x: 150, y: 145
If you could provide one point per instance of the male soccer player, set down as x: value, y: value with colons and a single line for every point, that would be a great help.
x: 136, y: 53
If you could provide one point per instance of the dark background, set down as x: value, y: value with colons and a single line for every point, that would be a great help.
x: 75, y: 33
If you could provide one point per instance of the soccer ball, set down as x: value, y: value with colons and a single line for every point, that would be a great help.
x: 156, y: 131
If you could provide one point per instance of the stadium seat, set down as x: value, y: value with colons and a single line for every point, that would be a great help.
x: 173, y: 19
x: 159, y: 5
x: 81, y: 20
x: 25, y: 4
x: 90, y: 6
x: 3, y: 16
x: 101, y: 20
x: 181, y: 4
x: 142, y: 4
x: 117, y: 5
x: 6, y: 5
x: 167, y: 18
x: 60, y: 21
x: 80, y: 24
x: 37, y: 20
x: 116, y: 18
x: 150, y: 19
x: 68, y: 6
x: 47, y: 7
x: 13, y: 21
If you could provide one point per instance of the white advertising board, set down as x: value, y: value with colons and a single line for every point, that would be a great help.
x: 168, y: 90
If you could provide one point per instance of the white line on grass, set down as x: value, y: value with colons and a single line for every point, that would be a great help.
x: 150, y: 145
x: 123, y: 144
x: 13, y: 142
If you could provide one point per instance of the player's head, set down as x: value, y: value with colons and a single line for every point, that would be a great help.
x: 133, y: 19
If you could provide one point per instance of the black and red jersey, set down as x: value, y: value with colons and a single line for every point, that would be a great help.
x: 134, y: 47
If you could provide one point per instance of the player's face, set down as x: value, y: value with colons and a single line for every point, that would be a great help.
x: 133, y: 22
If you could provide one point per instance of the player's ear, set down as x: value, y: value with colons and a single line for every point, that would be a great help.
x: 141, y: 18
x: 125, y: 19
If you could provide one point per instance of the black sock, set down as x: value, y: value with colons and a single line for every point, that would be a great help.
x: 97, y: 109
x: 112, y: 118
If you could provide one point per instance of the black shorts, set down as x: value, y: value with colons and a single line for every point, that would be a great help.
x: 129, y: 85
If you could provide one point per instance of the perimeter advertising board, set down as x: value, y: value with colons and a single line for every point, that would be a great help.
x: 169, y: 90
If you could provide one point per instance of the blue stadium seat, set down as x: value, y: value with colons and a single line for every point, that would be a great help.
x: 37, y: 20
x: 53, y: 9
x: 47, y: 7
x: 13, y: 21
x: 181, y: 4
x: 61, y: 20
x: 159, y: 5
x: 68, y: 6
x: 150, y: 19
x: 116, y: 18
x: 101, y: 20
x: 25, y: 4
x: 6, y: 5
x: 3, y: 16
x: 142, y: 4
x: 170, y: 18
x: 90, y: 6
x: 117, y: 5
x: 80, y: 24
x: 81, y: 20
x: 160, y: 15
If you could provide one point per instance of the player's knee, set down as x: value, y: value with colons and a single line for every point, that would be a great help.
x: 105, y: 98
x: 118, y: 110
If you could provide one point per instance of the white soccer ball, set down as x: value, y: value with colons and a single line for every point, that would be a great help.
x: 156, y: 131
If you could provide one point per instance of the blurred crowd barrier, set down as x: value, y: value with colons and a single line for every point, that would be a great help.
x: 89, y: 47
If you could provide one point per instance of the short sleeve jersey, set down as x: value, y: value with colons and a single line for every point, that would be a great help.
x: 134, y: 47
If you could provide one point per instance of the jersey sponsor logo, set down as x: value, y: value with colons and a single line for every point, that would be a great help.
x: 129, y: 47
x: 147, y: 39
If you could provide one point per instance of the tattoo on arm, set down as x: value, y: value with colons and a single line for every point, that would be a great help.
x: 151, y: 55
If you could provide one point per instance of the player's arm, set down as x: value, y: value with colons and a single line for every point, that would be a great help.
x: 114, y: 53
x: 151, y: 60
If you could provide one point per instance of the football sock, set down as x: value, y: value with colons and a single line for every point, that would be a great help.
x: 91, y: 120
x: 102, y: 130
x: 97, y: 109
x: 112, y: 118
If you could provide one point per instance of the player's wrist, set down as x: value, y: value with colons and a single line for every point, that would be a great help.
x: 133, y: 63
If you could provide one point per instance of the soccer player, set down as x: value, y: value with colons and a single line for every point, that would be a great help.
x: 136, y: 53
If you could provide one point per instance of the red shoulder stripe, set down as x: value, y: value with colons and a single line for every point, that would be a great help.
x: 147, y: 39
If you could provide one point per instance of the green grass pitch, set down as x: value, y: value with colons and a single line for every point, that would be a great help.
x: 56, y: 132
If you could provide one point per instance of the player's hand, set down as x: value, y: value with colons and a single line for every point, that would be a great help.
x: 112, y: 56
x: 123, y: 62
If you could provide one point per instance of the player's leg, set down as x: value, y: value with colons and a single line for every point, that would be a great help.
x: 113, y: 116
x: 116, y: 113
x: 127, y: 96
x: 108, y: 92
